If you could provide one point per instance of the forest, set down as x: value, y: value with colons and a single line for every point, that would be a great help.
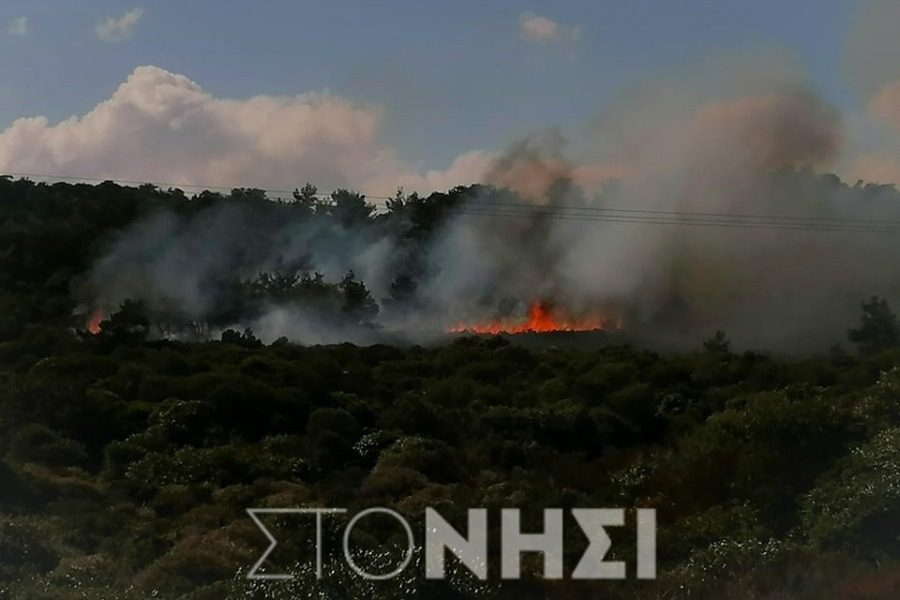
x: 131, y: 447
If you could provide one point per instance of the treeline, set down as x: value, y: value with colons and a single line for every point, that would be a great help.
x: 51, y: 234
x: 55, y: 237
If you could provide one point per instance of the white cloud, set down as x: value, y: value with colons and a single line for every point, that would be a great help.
x: 162, y: 127
x: 540, y: 30
x: 121, y: 28
x: 18, y: 26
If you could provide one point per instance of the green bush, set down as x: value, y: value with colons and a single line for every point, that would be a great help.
x: 38, y: 444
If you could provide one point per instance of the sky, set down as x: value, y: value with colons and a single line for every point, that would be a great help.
x: 402, y: 91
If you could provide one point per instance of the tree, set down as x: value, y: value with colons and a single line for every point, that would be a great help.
x: 131, y: 324
x: 278, y: 287
x: 878, y: 328
x: 396, y: 203
x: 403, y: 289
x: 245, y: 339
x: 717, y: 344
x: 249, y: 195
x: 358, y: 302
x: 350, y: 208
x: 307, y: 197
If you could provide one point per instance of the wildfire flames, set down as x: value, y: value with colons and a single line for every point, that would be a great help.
x: 543, y: 317
x: 93, y: 324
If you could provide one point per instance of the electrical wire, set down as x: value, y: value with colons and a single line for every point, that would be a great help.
x: 592, y: 214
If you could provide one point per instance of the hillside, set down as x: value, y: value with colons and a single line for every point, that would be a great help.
x: 129, y: 460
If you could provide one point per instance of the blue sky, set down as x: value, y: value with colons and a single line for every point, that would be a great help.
x: 424, y: 95
x: 452, y: 75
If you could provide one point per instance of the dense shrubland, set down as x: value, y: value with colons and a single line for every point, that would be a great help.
x: 127, y: 462
x: 129, y: 467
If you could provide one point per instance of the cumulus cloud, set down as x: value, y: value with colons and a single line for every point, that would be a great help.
x: 541, y: 30
x: 121, y: 28
x: 18, y: 27
x: 162, y: 127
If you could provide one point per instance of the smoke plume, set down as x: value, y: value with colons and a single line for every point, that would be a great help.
x: 775, y: 252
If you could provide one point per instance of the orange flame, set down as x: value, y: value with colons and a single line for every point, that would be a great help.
x: 93, y: 324
x: 543, y: 317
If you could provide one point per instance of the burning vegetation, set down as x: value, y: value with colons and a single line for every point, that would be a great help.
x: 543, y: 317
x: 93, y: 325
x: 320, y: 270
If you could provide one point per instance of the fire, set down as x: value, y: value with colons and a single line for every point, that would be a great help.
x: 93, y: 324
x: 543, y: 317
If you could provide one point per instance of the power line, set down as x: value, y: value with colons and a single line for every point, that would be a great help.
x: 824, y: 227
x: 684, y: 221
x: 592, y: 210
x: 607, y: 214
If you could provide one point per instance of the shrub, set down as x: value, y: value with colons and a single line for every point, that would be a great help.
x: 38, y: 444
